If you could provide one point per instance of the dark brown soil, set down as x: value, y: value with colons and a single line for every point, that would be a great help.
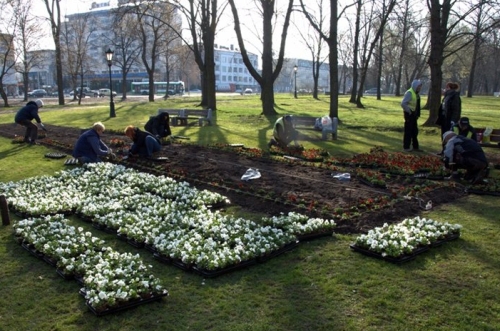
x: 283, y: 187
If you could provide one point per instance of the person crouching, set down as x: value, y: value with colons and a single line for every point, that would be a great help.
x: 144, y: 143
x: 284, y: 132
x: 464, y: 153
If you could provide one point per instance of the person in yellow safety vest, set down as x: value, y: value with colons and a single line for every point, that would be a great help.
x: 411, y: 111
x: 284, y: 132
x: 464, y: 129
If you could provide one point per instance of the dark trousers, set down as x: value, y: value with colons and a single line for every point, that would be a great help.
x: 411, y: 132
x: 31, y: 130
x: 471, y: 163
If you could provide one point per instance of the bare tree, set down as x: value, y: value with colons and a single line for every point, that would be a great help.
x: 76, y: 43
x: 125, y: 42
x: 270, y: 70
x: 9, y: 24
x: 203, y: 17
x: 54, y: 11
x: 483, y: 20
x: 314, y: 44
x: 330, y: 36
x: 154, y: 19
x: 28, y: 35
x: 381, y: 21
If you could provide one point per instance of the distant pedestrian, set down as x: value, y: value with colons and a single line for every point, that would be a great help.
x: 25, y: 116
x: 450, y: 109
x: 144, y: 143
x: 89, y: 147
x: 411, y: 111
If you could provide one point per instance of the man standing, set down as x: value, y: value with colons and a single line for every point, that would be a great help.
x: 25, y: 115
x: 411, y: 111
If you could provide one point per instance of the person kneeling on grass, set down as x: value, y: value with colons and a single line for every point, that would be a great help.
x: 89, y: 146
x: 284, y: 132
x: 144, y: 143
x: 464, y: 153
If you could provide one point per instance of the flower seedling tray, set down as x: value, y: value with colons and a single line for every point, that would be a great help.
x: 215, y: 273
x: 64, y: 276
x: 451, y: 237
x: 71, y: 161
x: 277, y: 252
x: 395, y: 260
x: 125, y: 305
x: 162, y: 258
x: 314, y: 235
x: 55, y: 155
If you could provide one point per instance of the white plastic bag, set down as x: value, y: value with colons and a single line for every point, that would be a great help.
x: 251, y: 174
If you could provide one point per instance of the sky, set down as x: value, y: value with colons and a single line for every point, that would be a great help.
x: 295, y: 47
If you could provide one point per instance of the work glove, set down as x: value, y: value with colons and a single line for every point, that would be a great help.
x: 43, y: 127
x: 112, y: 156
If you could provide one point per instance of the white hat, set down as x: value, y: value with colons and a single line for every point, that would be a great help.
x: 39, y: 103
x: 448, y: 134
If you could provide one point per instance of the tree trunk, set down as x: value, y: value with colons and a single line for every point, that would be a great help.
x: 438, y: 21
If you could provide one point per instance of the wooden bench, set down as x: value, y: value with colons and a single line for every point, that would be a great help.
x: 308, y: 123
x: 494, y: 138
x: 181, y: 116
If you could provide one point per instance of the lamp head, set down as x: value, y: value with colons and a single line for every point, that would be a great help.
x: 109, y: 55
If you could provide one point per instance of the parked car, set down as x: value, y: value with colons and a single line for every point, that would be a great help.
x: 39, y: 93
x: 145, y: 92
x: 373, y: 90
x: 248, y: 91
x: 105, y: 92
x: 86, y: 92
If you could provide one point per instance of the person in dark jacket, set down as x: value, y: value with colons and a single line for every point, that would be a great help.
x: 144, y: 143
x: 284, y: 132
x: 411, y: 111
x: 159, y: 125
x: 450, y: 109
x: 25, y: 116
x: 465, y: 153
x: 464, y: 129
x: 89, y: 147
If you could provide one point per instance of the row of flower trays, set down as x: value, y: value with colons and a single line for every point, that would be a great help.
x: 402, y: 242
x: 111, y: 281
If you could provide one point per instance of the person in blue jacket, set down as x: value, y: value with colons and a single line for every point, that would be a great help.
x: 25, y: 116
x: 89, y: 147
x: 144, y: 142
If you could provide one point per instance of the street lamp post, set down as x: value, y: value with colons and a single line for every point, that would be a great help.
x: 295, y: 68
x: 109, y: 58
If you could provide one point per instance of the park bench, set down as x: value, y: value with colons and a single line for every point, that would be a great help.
x: 494, y: 138
x: 308, y: 123
x: 181, y: 116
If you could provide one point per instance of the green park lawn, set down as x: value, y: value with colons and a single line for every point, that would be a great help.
x: 320, y: 285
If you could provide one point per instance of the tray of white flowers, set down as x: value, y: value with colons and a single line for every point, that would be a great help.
x: 402, y: 242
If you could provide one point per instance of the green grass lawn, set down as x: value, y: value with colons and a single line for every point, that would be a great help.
x: 321, y: 285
